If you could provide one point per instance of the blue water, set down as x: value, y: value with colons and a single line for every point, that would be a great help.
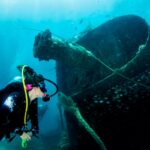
x: 22, y: 20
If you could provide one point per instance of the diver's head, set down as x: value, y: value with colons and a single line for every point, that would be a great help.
x: 32, y: 79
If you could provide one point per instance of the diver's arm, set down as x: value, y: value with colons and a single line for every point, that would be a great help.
x: 8, y: 107
x: 33, y: 112
x: 8, y: 112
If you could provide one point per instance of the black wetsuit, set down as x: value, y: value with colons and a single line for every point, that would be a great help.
x: 12, y: 110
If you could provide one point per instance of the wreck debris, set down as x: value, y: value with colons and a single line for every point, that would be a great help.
x: 70, y: 106
x: 47, y: 47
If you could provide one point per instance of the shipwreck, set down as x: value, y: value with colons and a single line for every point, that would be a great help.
x: 105, y: 77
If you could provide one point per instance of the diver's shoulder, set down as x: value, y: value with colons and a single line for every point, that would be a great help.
x: 11, y: 88
x: 14, y: 85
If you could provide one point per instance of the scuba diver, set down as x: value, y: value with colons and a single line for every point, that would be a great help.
x: 18, y: 105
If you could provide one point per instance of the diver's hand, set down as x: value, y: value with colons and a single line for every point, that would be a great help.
x: 26, y: 136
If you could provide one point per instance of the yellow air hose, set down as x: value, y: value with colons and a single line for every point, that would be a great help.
x: 24, y: 142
